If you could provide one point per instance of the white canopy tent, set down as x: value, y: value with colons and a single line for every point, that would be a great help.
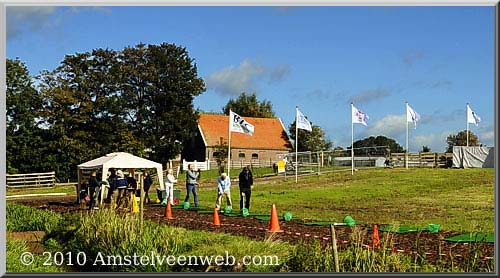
x: 119, y: 160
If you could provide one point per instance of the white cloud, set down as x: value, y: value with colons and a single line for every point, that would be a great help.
x: 28, y: 18
x: 391, y: 126
x: 22, y: 19
x: 233, y: 80
x: 487, y: 137
x: 435, y: 141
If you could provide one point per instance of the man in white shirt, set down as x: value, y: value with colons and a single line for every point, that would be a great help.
x: 223, y: 185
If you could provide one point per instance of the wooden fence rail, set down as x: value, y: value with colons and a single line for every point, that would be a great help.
x: 31, y: 180
x: 423, y: 159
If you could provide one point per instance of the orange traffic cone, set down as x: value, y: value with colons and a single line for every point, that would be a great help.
x: 275, y: 224
x: 216, y: 217
x: 375, y: 237
x: 168, y: 210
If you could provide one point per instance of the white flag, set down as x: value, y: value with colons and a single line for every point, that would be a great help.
x: 358, y: 116
x: 472, y: 117
x: 238, y: 124
x: 411, y: 115
x: 302, y: 121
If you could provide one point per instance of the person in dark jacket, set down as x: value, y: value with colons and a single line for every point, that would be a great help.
x: 94, y: 190
x: 148, y: 181
x: 245, y: 183
x: 111, y: 188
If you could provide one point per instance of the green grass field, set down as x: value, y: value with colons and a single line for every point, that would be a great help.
x: 457, y: 199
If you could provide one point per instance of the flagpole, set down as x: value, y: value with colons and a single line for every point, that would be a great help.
x: 406, y: 158
x: 296, y: 143
x: 229, y: 146
x: 467, y: 119
x: 352, y: 142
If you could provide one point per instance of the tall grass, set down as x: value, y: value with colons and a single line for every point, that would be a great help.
x: 358, y: 258
x: 107, y: 233
x: 22, y: 218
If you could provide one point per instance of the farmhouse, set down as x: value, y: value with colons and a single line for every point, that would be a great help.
x: 269, y: 140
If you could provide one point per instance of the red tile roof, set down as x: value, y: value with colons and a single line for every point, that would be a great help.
x: 268, y: 133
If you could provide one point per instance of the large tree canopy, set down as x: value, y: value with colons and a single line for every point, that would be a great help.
x: 460, y: 139
x: 25, y: 140
x: 379, y: 145
x: 248, y: 106
x: 313, y: 141
x: 139, y: 100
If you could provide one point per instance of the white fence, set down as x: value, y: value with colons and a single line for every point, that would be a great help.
x: 204, y: 165
x: 31, y: 180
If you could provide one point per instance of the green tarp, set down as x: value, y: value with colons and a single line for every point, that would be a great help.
x: 268, y: 218
x: 324, y: 223
x: 401, y: 229
x: 479, y: 237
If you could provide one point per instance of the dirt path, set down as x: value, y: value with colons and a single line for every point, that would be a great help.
x: 33, y: 239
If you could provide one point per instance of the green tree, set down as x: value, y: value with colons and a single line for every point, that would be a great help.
x: 460, y: 139
x: 426, y: 149
x: 82, y: 108
x: 137, y: 100
x: 26, y: 142
x: 248, y: 106
x: 220, y: 154
x: 313, y: 141
x: 159, y: 86
x: 379, y: 145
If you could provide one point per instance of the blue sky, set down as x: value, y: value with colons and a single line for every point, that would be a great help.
x: 319, y: 58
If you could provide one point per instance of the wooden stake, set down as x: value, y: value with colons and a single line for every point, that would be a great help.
x: 142, y: 200
x: 334, y: 248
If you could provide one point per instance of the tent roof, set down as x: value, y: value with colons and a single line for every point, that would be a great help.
x: 119, y: 160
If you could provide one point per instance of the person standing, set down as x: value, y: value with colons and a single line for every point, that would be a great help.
x: 245, y: 181
x: 148, y: 181
x: 223, y: 188
x: 94, y: 190
x: 111, y: 181
x: 191, y: 182
x: 169, y: 187
x: 120, y: 184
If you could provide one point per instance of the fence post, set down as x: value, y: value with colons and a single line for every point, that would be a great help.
x: 319, y: 166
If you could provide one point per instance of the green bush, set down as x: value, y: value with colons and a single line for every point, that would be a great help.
x: 22, y: 218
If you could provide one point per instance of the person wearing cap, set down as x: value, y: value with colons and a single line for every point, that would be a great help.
x: 223, y: 189
x: 120, y: 183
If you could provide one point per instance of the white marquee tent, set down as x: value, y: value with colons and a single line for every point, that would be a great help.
x: 119, y: 160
